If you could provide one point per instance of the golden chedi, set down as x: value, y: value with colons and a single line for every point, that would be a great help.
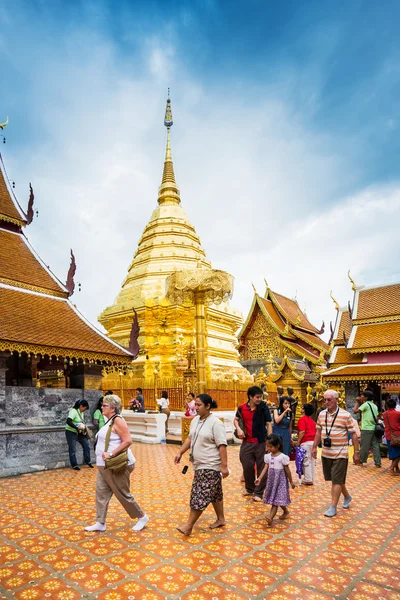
x: 169, y: 244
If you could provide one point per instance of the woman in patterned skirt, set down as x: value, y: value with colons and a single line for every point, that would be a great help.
x: 207, y: 443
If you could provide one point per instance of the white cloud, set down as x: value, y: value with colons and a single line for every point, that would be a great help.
x: 267, y: 195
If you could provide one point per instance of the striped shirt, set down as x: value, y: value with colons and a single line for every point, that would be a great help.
x: 343, y: 424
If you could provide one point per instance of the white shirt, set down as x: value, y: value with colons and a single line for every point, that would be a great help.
x: 163, y: 402
x: 115, y: 441
x: 206, y: 437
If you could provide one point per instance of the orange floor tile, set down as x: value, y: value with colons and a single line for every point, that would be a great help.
x: 45, y: 554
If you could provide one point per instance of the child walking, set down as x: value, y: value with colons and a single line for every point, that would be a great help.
x: 279, y: 477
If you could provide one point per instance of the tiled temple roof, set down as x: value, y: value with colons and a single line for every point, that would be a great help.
x: 364, y: 372
x: 9, y: 210
x: 343, y: 326
x: 291, y: 311
x: 375, y: 337
x: 21, y: 268
x: 296, y: 333
x: 35, y: 313
x: 38, y: 323
x: 377, y: 304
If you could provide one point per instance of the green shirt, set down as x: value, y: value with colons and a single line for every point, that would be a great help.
x: 76, y: 417
x: 367, y: 422
x: 99, y: 417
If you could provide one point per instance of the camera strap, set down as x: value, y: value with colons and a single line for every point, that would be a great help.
x: 328, y: 433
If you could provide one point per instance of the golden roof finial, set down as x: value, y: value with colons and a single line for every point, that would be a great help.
x: 254, y: 288
x: 266, y: 286
x: 2, y: 125
x: 335, y: 302
x: 353, y: 284
x: 168, y: 191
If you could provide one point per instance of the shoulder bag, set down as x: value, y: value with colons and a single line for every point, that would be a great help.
x: 394, y: 437
x: 379, y: 428
x: 118, y: 463
x: 240, y: 423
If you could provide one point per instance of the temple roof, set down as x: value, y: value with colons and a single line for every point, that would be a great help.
x: 342, y: 325
x: 341, y: 356
x: 20, y: 267
x: 35, y: 313
x: 364, y: 372
x: 380, y: 303
x: 371, y: 325
x: 38, y: 323
x: 9, y: 209
x: 291, y: 311
x: 298, y: 337
x: 375, y: 337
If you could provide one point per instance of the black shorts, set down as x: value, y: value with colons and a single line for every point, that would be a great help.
x: 335, y: 469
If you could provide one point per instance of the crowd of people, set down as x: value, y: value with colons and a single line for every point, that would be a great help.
x: 265, y: 452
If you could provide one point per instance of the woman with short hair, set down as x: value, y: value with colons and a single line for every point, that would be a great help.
x: 75, y: 431
x: 110, y: 482
x: 207, y: 443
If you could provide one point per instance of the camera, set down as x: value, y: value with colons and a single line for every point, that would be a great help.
x: 327, y: 442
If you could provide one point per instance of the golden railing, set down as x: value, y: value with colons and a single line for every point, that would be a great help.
x: 227, y: 393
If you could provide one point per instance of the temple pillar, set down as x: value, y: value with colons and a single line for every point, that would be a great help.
x: 200, y: 320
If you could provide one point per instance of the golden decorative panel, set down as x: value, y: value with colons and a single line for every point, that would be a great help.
x: 262, y: 340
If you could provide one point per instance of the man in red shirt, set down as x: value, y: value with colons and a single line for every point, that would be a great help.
x: 257, y: 422
x: 307, y: 429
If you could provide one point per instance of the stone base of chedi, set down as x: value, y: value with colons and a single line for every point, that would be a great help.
x: 184, y: 327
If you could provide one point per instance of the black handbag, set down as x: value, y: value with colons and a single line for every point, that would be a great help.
x: 240, y: 423
x: 379, y: 428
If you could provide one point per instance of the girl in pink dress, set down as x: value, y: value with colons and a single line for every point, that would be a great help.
x: 278, y: 479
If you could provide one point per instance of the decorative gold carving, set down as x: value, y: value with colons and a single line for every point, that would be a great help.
x: 262, y: 340
x: 335, y: 302
x: 12, y: 220
x: 54, y: 351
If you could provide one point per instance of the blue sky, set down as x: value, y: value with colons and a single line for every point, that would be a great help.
x: 286, y: 131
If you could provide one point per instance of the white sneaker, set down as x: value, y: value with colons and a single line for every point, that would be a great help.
x: 96, y: 527
x: 142, y: 522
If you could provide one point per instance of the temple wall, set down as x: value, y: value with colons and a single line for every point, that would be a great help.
x: 352, y: 391
x: 32, y: 424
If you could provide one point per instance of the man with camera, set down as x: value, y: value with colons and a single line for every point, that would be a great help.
x: 366, y: 406
x: 333, y: 426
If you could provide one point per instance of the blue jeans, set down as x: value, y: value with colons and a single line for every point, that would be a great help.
x: 72, y: 438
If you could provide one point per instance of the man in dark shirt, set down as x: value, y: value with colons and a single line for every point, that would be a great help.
x: 257, y: 425
x: 140, y: 397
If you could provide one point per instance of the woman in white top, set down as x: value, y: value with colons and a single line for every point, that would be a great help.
x: 207, y: 443
x: 109, y: 482
x: 163, y: 404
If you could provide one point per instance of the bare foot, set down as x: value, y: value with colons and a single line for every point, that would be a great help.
x: 284, y: 515
x: 216, y: 524
x: 268, y: 521
x: 185, y: 530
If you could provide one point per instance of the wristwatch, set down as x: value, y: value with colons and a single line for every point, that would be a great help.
x: 111, y: 454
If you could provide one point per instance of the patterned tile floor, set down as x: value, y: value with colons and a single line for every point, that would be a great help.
x: 46, y: 554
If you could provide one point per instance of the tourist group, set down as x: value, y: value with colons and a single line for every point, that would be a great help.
x: 264, y: 454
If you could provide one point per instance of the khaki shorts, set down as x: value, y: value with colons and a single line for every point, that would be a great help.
x: 335, y: 469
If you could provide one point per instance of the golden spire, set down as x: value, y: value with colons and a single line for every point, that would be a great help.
x: 168, y: 191
x: 2, y: 125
